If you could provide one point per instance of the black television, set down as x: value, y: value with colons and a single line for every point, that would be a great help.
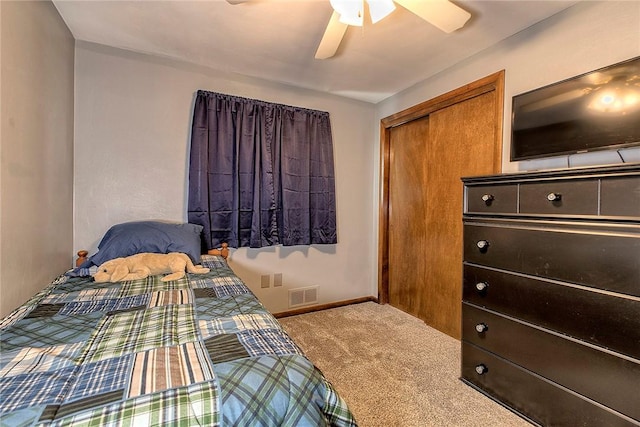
x: 599, y: 110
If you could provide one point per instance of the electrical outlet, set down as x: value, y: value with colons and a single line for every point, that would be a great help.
x: 277, y: 279
x: 265, y: 281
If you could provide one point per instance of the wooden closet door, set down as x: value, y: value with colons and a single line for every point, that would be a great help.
x: 408, y: 181
x: 461, y: 143
x: 428, y: 156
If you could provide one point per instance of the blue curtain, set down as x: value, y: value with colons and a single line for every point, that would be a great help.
x: 261, y: 174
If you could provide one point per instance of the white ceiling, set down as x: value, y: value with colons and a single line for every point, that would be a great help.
x: 276, y: 39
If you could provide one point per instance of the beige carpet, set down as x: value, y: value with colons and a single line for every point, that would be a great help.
x: 392, y: 369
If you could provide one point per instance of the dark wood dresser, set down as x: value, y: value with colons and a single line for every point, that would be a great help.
x: 551, y: 294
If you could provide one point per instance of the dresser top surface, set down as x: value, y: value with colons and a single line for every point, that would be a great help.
x: 630, y: 169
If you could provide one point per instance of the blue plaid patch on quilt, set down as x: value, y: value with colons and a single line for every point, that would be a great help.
x: 200, y: 350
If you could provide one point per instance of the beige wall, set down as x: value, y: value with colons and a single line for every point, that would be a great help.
x: 36, y: 131
x: 133, y: 122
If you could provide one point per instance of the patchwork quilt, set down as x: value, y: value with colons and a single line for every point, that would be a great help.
x: 201, y: 350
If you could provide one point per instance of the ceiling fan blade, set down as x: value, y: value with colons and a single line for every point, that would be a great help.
x: 332, y: 37
x: 441, y: 13
x: 234, y: 2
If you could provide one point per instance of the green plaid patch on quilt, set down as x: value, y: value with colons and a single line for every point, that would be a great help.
x: 201, y: 350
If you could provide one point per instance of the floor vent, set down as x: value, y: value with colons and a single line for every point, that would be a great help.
x: 303, y: 296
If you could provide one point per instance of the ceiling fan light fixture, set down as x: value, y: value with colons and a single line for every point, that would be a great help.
x: 350, y: 11
x: 379, y: 9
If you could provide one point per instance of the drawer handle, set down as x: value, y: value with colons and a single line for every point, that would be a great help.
x: 482, y: 245
x: 482, y: 327
x: 554, y: 197
x: 482, y: 286
x: 481, y: 369
x: 487, y: 198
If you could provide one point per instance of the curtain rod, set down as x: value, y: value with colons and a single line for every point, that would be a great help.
x: 243, y: 99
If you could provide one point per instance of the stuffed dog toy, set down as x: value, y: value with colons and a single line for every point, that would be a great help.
x: 146, y: 264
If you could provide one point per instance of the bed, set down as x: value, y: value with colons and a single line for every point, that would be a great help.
x: 201, y: 350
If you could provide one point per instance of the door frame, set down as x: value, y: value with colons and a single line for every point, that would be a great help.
x: 493, y: 82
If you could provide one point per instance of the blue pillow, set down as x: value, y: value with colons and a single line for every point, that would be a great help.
x: 132, y: 238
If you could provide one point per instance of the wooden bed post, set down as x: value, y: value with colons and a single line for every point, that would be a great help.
x: 82, y: 257
x: 223, y: 251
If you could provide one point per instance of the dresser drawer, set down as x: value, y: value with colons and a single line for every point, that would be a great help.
x: 609, y: 261
x: 620, y: 197
x: 569, y: 197
x: 536, y: 398
x: 594, y: 373
x: 608, y: 320
x: 492, y: 199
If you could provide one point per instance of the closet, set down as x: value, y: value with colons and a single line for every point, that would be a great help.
x: 425, y: 150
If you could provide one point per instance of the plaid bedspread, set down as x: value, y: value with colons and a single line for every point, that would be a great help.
x: 197, y: 351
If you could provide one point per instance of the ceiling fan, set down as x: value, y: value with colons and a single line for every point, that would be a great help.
x: 443, y: 14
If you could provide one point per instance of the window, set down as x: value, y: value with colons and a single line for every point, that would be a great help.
x: 261, y: 174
